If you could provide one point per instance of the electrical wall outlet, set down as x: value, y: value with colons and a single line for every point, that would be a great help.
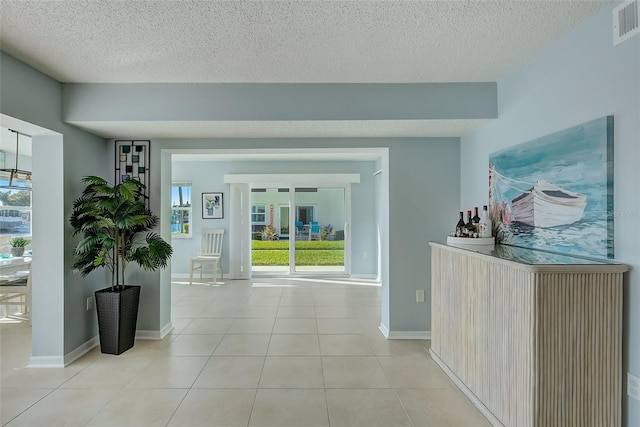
x: 90, y: 303
x: 420, y: 295
x: 633, y: 386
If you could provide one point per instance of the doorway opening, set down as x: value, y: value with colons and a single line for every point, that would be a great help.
x: 312, y: 241
x: 15, y: 226
x: 47, y: 237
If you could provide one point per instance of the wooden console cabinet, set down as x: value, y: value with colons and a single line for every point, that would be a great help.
x: 533, y: 339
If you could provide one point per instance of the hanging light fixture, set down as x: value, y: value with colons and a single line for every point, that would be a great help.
x: 18, y: 179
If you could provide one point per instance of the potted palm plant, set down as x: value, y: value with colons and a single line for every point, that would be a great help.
x: 117, y: 229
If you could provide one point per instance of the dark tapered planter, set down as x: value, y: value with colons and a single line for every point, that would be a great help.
x: 117, y: 318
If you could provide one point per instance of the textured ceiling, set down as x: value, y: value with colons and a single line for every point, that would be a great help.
x: 282, y: 41
x: 316, y: 41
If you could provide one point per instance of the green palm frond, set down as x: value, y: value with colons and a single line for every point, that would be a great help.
x: 130, y: 189
x: 111, y: 217
x: 95, y: 180
x: 88, y: 244
x: 154, y: 255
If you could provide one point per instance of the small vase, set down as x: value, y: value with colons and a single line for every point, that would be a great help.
x: 17, y: 251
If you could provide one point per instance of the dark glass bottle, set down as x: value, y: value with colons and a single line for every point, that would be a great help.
x: 469, y: 226
x: 476, y: 218
x: 460, y: 226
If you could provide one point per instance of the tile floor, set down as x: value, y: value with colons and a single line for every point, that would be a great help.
x: 266, y: 352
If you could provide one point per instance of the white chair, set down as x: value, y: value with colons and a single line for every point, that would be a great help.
x: 210, y: 253
x: 300, y: 231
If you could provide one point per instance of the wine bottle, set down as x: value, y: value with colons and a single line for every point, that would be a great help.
x: 486, y: 225
x: 470, y: 228
x: 460, y: 226
x: 476, y: 218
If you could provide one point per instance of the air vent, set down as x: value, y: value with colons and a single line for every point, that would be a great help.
x: 625, y: 21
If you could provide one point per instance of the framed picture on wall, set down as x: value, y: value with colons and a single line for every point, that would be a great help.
x: 555, y: 193
x: 212, y: 206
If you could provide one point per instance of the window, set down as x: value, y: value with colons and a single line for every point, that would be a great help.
x: 15, y: 213
x: 15, y: 186
x: 305, y: 213
x: 259, y: 214
x: 181, y: 209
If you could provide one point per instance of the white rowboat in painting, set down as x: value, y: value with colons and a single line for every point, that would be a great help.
x: 546, y: 205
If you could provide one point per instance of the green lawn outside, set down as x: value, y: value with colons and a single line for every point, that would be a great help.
x: 307, y: 253
x: 271, y: 245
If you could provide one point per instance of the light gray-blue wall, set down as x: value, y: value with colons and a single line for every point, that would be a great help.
x: 277, y: 101
x: 209, y: 176
x: 579, y: 78
x: 30, y: 96
x: 424, y: 181
x: 423, y: 173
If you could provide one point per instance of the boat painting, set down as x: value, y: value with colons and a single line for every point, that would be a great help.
x: 555, y: 193
x: 546, y: 205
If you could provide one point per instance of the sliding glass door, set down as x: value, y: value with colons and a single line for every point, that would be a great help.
x: 320, y: 240
x: 314, y: 218
x: 270, y: 230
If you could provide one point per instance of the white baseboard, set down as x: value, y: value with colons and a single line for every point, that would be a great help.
x: 154, y: 335
x: 404, y: 335
x: 465, y: 390
x: 409, y: 335
x: 147, y: 335
x: 372, y: 277
x: 46, y: 362
x: 165, y: 331
x: 384, y: 330
x: 183, y: 276
x: 81, y: 350
x: 67, y: 359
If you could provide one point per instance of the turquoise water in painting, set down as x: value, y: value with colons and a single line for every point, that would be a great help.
x: 578, y: 159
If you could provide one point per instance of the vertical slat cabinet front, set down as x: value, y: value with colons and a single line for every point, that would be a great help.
x: 580, y: 373
x: 482, y: 329
x: 448, y: 276
x: 437, y: 300
x: 509, y: 353
x: 504, y: 341
x: 537, y: 345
